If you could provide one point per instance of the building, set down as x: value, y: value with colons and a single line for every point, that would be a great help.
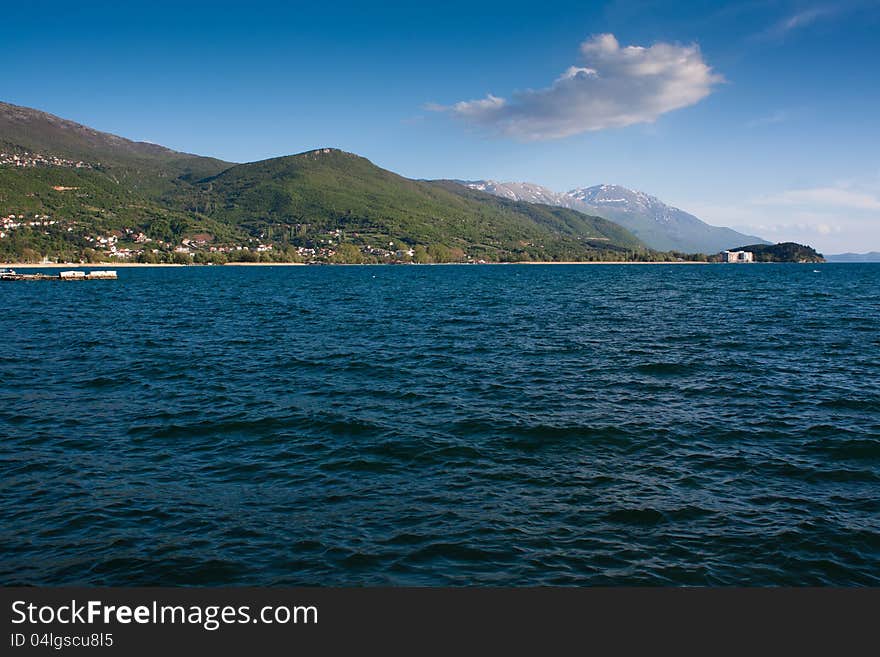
x: 737, y: 256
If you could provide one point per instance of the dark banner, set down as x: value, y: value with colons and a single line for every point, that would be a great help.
x: 147, y: 621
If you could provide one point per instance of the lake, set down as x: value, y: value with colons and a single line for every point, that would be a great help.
x: 443, y: 425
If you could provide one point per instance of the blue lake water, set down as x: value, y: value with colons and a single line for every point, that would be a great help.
x: 610, y: 424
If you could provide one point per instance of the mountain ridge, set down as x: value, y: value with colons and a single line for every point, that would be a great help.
x: 38, y: 131
x: 657, y: 224
x: 68, y: 191
x: 870, y: 256
x: 331, y: 189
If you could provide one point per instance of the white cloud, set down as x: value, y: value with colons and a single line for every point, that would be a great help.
x: 810, y: 15
x: 801, y: 19
x: 795, y: 21
x: 616, y: 87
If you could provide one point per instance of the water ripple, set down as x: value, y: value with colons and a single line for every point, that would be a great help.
x: 443, y: 425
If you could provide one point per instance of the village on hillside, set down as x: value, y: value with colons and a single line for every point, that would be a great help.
x: 132, y: 244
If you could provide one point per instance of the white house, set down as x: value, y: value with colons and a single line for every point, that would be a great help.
x: 737, y: 256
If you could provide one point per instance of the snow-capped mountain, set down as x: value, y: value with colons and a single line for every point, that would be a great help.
x: 657, y: 224
x: 624, y: 200
x: 514, y: 191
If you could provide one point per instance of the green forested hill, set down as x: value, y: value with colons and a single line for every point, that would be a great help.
x: 82, y: 185
x: 327, y: 190
x: 86, y: 203
x: 783, y: 252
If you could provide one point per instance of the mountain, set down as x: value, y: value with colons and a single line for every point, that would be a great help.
x: 23, y: 129
x: 521, y: 191
x: 70, y: 192
x: 657, y: 224
x: 872, y: 256
x: 87, y: 184
x: 329, y: 190
x: 782, y: 252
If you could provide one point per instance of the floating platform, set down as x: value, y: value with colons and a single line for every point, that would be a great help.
x: 71, y: 275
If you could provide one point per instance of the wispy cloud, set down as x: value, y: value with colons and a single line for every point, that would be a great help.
x: 800, y: 19
x: 613, y: 87
x: 804, y: 17
x: 778, y: 116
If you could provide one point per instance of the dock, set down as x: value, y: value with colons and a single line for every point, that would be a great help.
x: 71, y: 275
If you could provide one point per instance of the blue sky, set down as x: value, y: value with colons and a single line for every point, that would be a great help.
x: 764, y: 116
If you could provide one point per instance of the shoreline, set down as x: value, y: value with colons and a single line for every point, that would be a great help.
x: 608, y: 262
x: 76, y: 265
x: 84, y: 265
x: 124, y: 265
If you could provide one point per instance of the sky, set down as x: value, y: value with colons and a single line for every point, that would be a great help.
x: 759, y: 115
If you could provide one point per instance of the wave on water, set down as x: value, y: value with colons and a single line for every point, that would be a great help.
x: 446, y: 425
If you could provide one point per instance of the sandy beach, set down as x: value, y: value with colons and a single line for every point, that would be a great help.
x: 612, y: 262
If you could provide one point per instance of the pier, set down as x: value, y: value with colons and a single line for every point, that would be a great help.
x: 71, y: 275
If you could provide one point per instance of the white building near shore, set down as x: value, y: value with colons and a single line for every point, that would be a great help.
x: 737, y: 256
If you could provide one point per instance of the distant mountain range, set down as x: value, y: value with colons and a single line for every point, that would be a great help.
x: 70, y: 192
x: 657, y: 224
x: 872, y: 256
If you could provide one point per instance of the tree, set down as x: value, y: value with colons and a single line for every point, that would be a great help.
x: 94, y: 256
x: 439, y: 253
x: 245, y: 255
x: 29, y: 255
x: 289, y: 254
x: 348, y: 253
x: 456, y: 255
